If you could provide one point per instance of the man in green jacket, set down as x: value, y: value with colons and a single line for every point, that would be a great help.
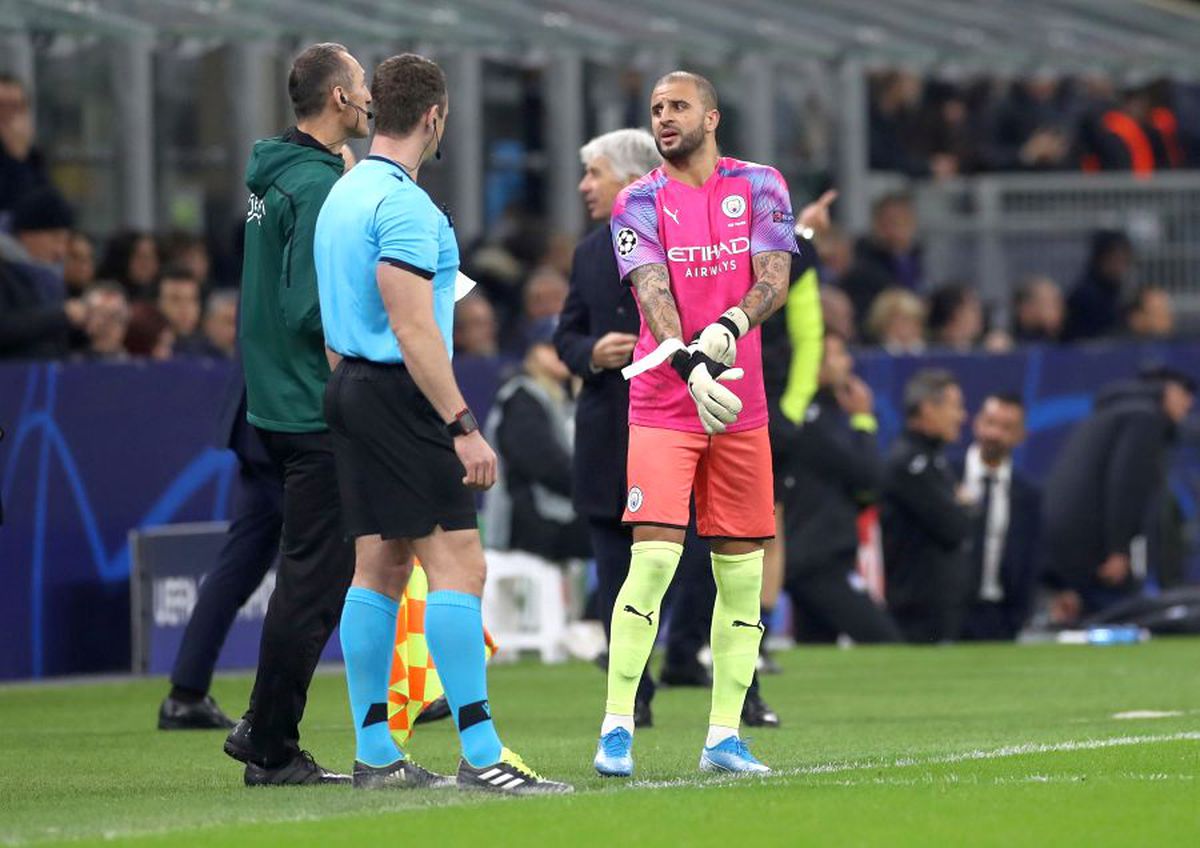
x: 284, y: 358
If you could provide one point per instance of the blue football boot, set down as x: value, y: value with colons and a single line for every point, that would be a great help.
x: 614, y: 753
x: 731, y: 755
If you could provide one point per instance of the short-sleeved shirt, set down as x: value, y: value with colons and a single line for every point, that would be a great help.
x: 706, y: 236
x: 375, y: 214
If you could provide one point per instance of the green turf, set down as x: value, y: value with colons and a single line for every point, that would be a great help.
x: 883, y: 746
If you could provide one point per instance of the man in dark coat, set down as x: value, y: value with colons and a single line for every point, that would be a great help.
x: 888, y: 257
x: 1094, y: 305
x: 925, y: 524
x: 1004, y: 524
x: 1099, y: 491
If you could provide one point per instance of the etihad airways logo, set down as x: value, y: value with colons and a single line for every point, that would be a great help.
x: 709, y: 260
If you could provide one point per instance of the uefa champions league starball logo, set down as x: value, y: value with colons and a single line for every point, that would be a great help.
x: 626, y: 241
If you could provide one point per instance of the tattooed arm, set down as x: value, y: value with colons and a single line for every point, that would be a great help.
x: 652, y: 284
x: 770, y: 290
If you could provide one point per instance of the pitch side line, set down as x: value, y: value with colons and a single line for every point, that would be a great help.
x: 943, y: 759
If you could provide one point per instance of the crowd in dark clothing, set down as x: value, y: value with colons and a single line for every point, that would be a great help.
x: 932, y: 128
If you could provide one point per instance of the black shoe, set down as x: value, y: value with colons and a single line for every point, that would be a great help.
x: 204, y: 714
x: 642, y: 716
x: 438, y: 709
x: 756, y: 713
x: 690, y: 674
x: 510, y: 776
x: 300, y: 770
x: 766, y: 663
x: 237, y: 743
x: 402, y: 774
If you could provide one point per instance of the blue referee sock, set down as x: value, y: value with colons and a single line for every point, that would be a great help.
x: 454, y: 633
x: 368, y: 634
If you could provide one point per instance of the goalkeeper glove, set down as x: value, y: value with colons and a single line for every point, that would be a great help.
x: 716, y: 405
x: 718, y: 341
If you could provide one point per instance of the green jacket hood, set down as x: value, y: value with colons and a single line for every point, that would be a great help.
x: 271, y: 157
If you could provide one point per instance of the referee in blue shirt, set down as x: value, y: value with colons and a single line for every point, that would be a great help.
x: 409, y: 453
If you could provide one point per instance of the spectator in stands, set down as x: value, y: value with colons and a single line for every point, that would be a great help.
x: 1028, y: 130
x: 475, y: 327
x: 897, y: 322
x: 1094, y: 305
x: 148, y: 334
x: 835, y: 255
x: 79, y: 266
x: 179, y: 301
x: 895, y: 102
x: 131, y: 258
x: 21, y: 166
x: 182, y: 250
x: 1005, y: 522
x: 41, y: 223
x: 888, y: 257
x: 221, y: 322
x: 925, y: 524
x: 1133, y: 136
x: 108, y: 316
x: 1151, y: 315
x: 544, y: 296
x: 530, y: 508
x: 955, y: 318
x: 1100, y: 490
x: 830, y: 470
x: 1038, y: 311
x: 837, y: 312
x: 944, y: 133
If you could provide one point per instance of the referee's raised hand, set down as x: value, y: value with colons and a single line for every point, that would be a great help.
x: 478, y: 459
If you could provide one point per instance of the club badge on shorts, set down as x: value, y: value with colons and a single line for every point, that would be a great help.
x: 635, y: 499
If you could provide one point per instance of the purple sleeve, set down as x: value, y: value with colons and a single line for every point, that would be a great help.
x: 773, y: 227
x: 635, y: 232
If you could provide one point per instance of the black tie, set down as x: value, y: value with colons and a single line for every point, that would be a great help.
x: 985, y: 506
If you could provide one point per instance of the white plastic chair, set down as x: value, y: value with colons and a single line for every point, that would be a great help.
x: 524, y: 604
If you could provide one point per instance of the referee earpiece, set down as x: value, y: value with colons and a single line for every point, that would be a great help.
x: 437, y: 152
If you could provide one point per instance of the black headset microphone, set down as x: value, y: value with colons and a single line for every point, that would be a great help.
x: 437, y: 151
x: 370, y: 115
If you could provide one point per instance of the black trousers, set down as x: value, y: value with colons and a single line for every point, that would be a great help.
x: 689, y: 601
x: 250, y: 548
x: 827, y: 605
x: 315, y: 568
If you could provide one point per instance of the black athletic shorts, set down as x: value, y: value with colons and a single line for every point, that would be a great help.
x: 398, y: 474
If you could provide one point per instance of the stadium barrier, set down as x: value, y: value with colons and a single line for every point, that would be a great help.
x: 93, y: 451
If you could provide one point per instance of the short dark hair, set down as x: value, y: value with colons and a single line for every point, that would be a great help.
x: 944, y: 302
x: 927, y: 385
x: 313, y: 74
x: 177, y: 273
x: 403, y: 89
x: 1008, y: 398
x: 708, y: 92
x: 1162, y: 374
x: 891, y: 198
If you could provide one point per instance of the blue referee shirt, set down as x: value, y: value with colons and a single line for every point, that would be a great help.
x: 374, y: 214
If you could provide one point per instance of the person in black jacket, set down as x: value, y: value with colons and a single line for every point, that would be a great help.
x: 595, y: 338
x: 1102, y: 484
x: 925, y: 524
x: 831, y: 470
x: 889, y: 257
x: 1094, y: 305
x: 1005, y: 523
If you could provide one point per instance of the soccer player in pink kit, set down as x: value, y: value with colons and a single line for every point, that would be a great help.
x: 705, y: 241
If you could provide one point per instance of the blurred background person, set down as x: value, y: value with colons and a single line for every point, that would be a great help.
x: 1029, y: 130
x: 925, y: 524
x: 1005, y: 523
x: 475, y: 327
x: 544, y: 296
x: 179, y: 301
x: 831, y: 469
x: 1094, y: 305
x: 532, y: 426
x: 837, y: 311
x: 897, y: 322
x: 108, y: 316
x: 189, y: 252
x: 131, y: 258
x: 955, y: 318
x: 1101, y: 489
x: 1038, y: 311
x: 22, y: 168
x: 79, y: 265
x: 1151, y: 314
x: 888, y: 257
x: 148, y: 334
x: 221, y: 323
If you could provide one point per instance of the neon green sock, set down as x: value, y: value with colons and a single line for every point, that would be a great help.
x: 635, y: 619
x: 736, y: 632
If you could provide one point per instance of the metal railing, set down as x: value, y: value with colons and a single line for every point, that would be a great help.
x: 994, y: 231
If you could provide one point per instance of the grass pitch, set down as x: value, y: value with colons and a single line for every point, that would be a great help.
x: 989, y: 745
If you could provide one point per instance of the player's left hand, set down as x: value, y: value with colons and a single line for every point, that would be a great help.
x: 718, y: 341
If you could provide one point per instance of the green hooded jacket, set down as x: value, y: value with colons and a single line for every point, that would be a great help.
x: 282, y: 341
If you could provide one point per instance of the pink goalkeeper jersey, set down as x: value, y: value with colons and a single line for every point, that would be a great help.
x: 706, y: 237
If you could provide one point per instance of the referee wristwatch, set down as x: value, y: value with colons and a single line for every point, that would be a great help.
x: 463, y: 424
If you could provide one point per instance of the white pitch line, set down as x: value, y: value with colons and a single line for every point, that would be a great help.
x: 943, y: 759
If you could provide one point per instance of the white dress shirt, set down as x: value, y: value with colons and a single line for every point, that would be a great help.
x: 996, y: 527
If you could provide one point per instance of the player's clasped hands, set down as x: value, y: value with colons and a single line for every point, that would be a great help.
x: 478, y: 459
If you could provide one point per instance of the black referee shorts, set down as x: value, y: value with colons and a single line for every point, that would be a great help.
x: 398, y: 474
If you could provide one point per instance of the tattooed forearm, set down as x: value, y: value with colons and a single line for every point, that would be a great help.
x: 653, y: 286
x: 771, y: 270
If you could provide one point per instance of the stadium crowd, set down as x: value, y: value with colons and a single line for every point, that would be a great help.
x: 65, y: 294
